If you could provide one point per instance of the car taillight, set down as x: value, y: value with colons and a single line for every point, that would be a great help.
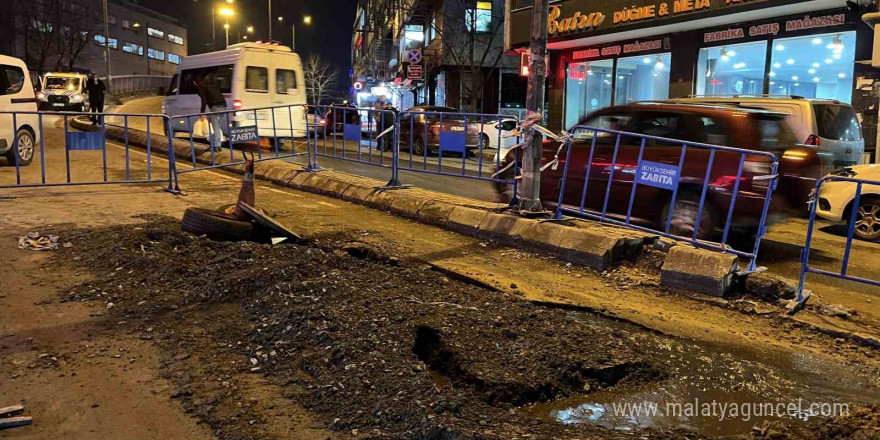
x: 812, y: 140
x: 237, y: 104
x: 322, y: 122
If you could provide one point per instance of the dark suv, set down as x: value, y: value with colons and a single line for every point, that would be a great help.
x: 749, y: 129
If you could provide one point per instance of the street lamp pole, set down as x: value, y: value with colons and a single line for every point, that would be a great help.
x: 270, y: 20
x: 293, y: 35
x: 107, y: 42
x: 213, y: 27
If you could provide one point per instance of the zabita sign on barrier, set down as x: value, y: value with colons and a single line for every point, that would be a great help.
x: 658, y: 175
x: 243, y: 134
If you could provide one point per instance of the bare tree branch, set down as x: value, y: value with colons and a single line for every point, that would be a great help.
x: 319, y: 77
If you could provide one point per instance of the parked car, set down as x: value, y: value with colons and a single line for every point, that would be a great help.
x: 337, y: 116
x: 314, y: 119
x: 17, y: 95
x: 749, y: 129
x: 63, y: 92
x: 421, y: 128
x: 251, y: 76
x: 496, y: 133
x: 828, y: 124
x: 835, y: 201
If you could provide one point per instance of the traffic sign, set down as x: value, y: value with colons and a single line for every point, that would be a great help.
x: 415, y: 72
x: 358, y: 85
x: 414, y: 56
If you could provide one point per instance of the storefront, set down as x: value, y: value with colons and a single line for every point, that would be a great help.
x: 669, y: 49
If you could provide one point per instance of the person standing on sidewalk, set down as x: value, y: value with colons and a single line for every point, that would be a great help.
x: 95, y: 88
x: 212, y: 99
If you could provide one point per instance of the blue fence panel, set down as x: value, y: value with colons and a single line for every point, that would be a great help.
x: 79, y: 131
x: 856, y: 218
x: 623, y: 163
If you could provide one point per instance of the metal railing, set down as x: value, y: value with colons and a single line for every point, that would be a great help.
x: 126, y: 84
x: 674, y: 175
x: 853, y: 210
x: 353, y: 134
x: 27, y: 141
x: 243, y: 128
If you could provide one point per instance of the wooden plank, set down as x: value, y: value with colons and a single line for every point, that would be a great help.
x: 15, y: 422
x: 11, y: 410
x: 269, y: 222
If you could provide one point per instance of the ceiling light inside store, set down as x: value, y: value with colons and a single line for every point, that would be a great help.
x: 841, y: 75
x: 780, y: 47
x: 777, y: 65
x: 836, y: 56
x: 797, y: 84
x: 646, y: 60
x: 731, y: 53
x: 811, y: 71
x: 724, y: 54
x: 815, y: 64
x: 816, y: 79
x: 817, y: 41
x: 794, y: 78
x: 659, y: 64
x: 828, y: 61
x: 772, y: 74
x: 789, y: 61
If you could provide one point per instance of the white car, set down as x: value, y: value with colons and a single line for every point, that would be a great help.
x: 63, y: 92
x: 494, y: 133
x: 17, y: 95
x: 835, y: 200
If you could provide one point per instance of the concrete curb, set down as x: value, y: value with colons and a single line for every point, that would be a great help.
x: 698, y: 270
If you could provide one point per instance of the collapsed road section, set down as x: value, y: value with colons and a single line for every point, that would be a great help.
x: 379, y: 347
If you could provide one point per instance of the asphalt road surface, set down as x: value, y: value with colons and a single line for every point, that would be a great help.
x: 780, y: 251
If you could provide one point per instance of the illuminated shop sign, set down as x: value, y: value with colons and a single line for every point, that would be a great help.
x: 623, y: 48
x: 805, y: 23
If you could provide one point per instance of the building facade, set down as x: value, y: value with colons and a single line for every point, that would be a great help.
x: 69, y: 35
x: 435, y: 52
x: 617, y: 52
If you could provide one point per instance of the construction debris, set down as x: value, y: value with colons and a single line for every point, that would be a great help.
x: 7, y: 421
x: 36, y: 242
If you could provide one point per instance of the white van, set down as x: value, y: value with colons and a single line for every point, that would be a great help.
x: 17, y: 95
x: 63, y: 92
x: 251, y: 76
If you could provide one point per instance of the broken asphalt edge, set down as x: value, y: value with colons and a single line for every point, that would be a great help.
x: 595, y: 245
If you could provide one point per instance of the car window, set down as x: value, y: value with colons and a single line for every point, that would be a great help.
x: 837, y: 122
x: 13, y: 80
x: 708, y: 130
x: 222, y: 74
x: 775, y: 133
x: 285, y: 81
x: 256, y: 79
x: 608, y: 121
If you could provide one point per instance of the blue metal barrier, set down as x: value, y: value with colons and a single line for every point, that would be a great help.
x: 33, y: 127
x: 666, y: 167
x: 245, y: 128
x: 859, y: 185
x: 354, y: 134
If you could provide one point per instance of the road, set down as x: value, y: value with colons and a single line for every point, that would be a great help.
x: 780, y: 251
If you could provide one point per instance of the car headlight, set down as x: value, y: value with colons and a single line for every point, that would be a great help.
x: 42, y: 96
x: 77, y: 97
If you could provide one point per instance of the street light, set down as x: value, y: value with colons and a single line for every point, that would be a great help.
x: 226, y: 28
x: 227, y: 12
x: 307, y: 19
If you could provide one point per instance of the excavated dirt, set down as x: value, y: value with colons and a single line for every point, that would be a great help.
x: 373, y: 346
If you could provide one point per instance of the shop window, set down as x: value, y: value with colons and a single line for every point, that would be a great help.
x: 587, y: 89
x: 815, y: 66
x: 482, y: 16
x: 736, y: 69
x: 257, y: 79
x: 642, y: 78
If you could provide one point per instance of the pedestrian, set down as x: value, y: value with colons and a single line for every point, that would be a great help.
x: 213, y: 100
x: 386, y: 114
x: 95, y: 88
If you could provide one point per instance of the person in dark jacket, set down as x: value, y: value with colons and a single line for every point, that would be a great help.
x: 213, y: 100
x: 95, y: 88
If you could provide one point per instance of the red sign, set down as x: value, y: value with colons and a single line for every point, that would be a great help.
x: 415, y: 72
x: 524, y: 64
x: 577, y: 74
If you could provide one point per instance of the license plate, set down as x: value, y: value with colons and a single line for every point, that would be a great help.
x: 58, y: 105
x: 454, y: 128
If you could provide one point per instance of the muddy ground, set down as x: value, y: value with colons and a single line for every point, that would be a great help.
x: 371, y: 345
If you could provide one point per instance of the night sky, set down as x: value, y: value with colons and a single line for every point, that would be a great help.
x: 329, y: 34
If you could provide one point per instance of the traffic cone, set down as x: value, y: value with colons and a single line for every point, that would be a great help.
x: 246, y: 194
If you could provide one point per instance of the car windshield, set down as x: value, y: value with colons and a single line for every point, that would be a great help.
x: 837, y: 122
x: 61, y: 83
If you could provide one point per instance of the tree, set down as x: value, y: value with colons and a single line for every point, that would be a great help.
x: 56, y: 30
x: 78, y: 27
x: 40, y: 33
x: 319, y: 77
x: 471, y: 39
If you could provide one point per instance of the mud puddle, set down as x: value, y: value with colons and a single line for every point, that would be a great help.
x: 704, y: 385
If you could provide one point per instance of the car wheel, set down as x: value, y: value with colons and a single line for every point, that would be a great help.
x: 868, y: 220
x: 485, y: 141
x: 24, y: 141
x: 418, y: 147
x: 215, y: 225
x: 684, y: 217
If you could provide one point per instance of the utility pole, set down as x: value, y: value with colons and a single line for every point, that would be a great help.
x: 270, y: 20
x: 530, y: 189
x: 107, y: 43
